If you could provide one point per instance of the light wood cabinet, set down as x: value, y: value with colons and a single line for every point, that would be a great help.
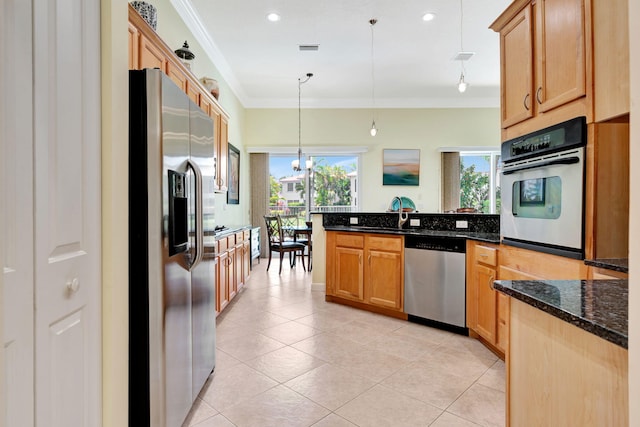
x: 347, y: 272
x: 367, y: 269
x: 148, y: 50
x: 561, y: 375
x: 134, y: 44
x: 384, y: 272
x: 222, y: 143
x: 516, y: 58
x: 483, y: 302
x: 610, y: 58
x: 232, y: 267
x: 543, y: 60
x: 150, y: 55
x: 222, y: 275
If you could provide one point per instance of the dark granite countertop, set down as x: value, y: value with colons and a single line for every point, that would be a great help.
x: 485, y: 237
x: 597, y: 306
x: 616, y: 264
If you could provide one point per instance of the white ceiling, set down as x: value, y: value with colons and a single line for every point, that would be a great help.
x: 413, y: 62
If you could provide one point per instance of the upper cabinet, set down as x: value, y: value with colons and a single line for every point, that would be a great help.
x: 538, y: 38
x: 610, y: 59
x: 148, y: 50
x: 562, y: 59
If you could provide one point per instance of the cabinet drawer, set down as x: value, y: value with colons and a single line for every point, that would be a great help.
x: 222, y: 245
x: 247, y: 234
x: 486, y: 255
x: 385, y: 243
x: 239, y: 237
x: 350, y: 240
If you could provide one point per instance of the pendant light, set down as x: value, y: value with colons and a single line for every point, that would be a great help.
x: 295, y: 165
x: 374, y: 129
x: 462, y: 56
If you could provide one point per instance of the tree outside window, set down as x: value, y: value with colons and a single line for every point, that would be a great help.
x: 479, y: 183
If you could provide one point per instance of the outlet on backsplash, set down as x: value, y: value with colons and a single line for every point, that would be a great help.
x: 353, y: 220
x: 462, y: 224
x: 414, y: 222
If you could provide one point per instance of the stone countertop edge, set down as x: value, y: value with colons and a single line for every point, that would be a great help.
x: 616, y: 264
x: 609, y: 321
x: 484, y: 237
x: 231, y: 230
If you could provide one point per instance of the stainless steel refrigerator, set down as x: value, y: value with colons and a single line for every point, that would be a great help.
x: 171, y: 250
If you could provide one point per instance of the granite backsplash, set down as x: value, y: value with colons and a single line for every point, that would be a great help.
x: 477, y: 223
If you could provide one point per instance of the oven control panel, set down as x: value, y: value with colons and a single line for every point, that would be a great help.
x: 563, y: 136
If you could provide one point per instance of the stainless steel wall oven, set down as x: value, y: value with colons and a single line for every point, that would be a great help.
x: 543, y: 189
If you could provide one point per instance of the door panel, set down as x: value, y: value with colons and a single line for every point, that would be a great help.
x: 67, y: 211
x: 16, y: 213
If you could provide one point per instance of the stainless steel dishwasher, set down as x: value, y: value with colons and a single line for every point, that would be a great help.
x: 435, y: 281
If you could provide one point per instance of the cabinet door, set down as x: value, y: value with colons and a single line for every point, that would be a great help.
x: 223, y: 154
x: 349, y: 273
x: 246, y: 260
x: 150, y: 55
x: 486, y: 302
x: 134, y: 43
x: 384, y: 279
x: 232, y: 276
x: 516, y: 51
x: 222, y: 283
x: 560, y: 52
x: 502, y: 325
x: 177, y: 76
x: 193, y: 91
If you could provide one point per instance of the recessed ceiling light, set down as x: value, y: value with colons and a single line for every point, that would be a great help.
x: 273, y: 17
x: 429, y: 16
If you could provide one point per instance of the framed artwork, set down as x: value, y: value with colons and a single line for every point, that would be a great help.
x: 233, y: 191
x: 400, y: 167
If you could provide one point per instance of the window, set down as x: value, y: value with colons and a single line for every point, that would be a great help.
x: 332, y: 184
x: 479, y: 183
x: 470, y: 179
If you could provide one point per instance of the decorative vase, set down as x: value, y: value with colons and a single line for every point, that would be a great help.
x: 148, y: 12
x: 211, y: 85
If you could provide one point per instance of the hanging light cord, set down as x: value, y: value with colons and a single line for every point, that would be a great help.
x: 300, y: 83
x: 373, y: 80
x: 461, y: 44
x: 373, y: 77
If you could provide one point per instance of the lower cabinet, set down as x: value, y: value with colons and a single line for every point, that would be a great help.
x: 366, y: 269
x: 488, y: 311
x: 485, y: 307
x: 233, y: 255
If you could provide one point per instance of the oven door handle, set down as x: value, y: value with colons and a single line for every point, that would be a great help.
x: 564, y: 161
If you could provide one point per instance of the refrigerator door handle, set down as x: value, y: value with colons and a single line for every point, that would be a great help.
x: 199, y: 214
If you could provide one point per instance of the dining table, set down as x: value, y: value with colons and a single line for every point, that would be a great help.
x: 301, y: 231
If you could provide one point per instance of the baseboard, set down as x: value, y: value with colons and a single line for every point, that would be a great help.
x: 320, y: 287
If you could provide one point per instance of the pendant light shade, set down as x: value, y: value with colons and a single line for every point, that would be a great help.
x: 462, y: 85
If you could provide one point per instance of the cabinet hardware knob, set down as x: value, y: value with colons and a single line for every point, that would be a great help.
x: 538, y: 95
x: 524, y: 101
x: 491, y: 283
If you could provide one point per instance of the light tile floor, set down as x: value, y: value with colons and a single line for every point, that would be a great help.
x: 285, y: 357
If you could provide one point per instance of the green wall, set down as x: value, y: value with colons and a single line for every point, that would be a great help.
x: 424, y: 129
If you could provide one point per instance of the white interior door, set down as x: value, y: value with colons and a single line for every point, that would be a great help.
x: 66, y: 37
x: 16, y: 211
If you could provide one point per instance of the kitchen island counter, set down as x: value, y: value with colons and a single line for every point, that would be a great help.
x: 597, y: 306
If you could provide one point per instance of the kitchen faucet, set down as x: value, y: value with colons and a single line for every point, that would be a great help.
x: 402, y: 216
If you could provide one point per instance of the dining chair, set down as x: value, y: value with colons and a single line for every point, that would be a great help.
x: 278, y: 243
